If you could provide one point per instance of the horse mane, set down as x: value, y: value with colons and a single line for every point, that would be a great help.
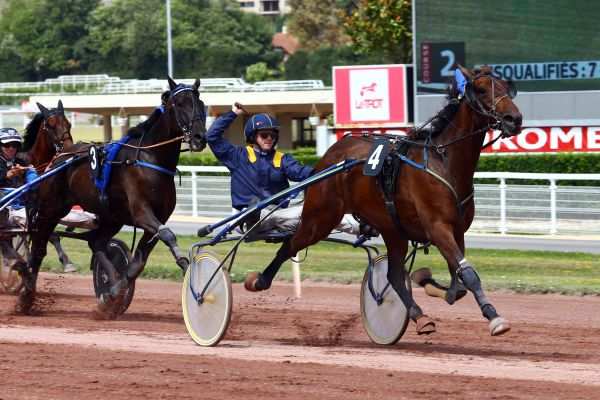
x: 452, y: 94
x: 31, y: 132
x: 145, y: 126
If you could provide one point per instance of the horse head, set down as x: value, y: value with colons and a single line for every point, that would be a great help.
x: 492, y: 98
x: 189, y: 111
x: 57, y: 126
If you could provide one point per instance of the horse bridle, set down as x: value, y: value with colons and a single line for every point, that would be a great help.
x: 489, y: 112
x: 186, y: 128
x: 58, y: 143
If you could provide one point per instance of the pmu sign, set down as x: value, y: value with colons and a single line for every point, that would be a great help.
x: 373, y: 95
x: 548, y: 140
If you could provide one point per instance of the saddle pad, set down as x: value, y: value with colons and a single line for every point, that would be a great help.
x: 110, y: 151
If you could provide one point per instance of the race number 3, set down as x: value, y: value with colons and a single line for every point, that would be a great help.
x: 94, y: 162
x: 377, y: 155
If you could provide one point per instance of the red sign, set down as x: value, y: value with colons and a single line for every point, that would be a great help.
x: 373, y: 95
x: 549, y: 140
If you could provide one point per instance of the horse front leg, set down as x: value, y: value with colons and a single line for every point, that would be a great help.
x: 462, y: 269
x: 396, y: 251
x: 142, y: 252
x: 98, y: 243
x: 144, y: 218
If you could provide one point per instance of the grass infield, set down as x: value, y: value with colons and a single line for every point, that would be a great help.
x: 520, y: 271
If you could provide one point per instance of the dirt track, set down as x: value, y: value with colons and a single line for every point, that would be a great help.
x: 283, y: 348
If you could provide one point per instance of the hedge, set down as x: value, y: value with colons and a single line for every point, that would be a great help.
x: 573, y: 163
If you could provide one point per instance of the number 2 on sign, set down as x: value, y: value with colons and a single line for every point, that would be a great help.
x: 375, y: 157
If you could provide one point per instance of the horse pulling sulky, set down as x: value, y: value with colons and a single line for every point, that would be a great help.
x: 126, y: 183
x: 411, y: 189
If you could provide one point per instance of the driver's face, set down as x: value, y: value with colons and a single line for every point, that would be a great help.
x: 9, y: 150
x: 265, y: 139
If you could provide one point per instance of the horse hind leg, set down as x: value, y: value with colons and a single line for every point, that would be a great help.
x: 397, y: 249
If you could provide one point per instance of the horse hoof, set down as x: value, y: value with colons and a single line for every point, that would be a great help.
x: 250, y: 281
x: 183, y: 263
x: 119, y: 288
x: 425, y: 325
x: 421, y: 276
x: 70, y: 267
x: 498, y: 326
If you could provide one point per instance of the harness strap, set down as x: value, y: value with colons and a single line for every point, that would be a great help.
x: 140, y: 163
x: 387, y: 182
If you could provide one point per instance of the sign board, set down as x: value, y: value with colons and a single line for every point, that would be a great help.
x: 373, y: 95
x: 438, y: 61
x: 548, y: 140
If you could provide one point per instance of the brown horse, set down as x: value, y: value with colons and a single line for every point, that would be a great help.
x: 141, y: 193
x: 47, y: 134
x: 433, y: 204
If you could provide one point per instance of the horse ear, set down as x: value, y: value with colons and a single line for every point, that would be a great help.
x: 196, y: 84
x: 465, y: 72
x: 60, y: 107
x: 172, y: 84
x: 43, y: 109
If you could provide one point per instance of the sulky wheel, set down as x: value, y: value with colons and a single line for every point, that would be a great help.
x: 206, y: 303
x: 10, y: 280
x: 119, y: 255
x: 384, y: 316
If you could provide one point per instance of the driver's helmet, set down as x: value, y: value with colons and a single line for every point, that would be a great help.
x: 258, y: 122
x: 10, y: 135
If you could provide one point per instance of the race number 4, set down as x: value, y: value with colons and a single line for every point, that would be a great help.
x: 377, y: 155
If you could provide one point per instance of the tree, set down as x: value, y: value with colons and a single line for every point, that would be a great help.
x: 317, y: 23
x: 210, y: 39
x: 381, y: 26
x: 40, y: 38
x: 318, y: 64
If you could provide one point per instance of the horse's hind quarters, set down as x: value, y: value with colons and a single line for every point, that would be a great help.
x: 425, y: 325
x: 498, y: 326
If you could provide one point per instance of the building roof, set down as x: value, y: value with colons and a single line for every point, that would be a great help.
x: 285, y: 41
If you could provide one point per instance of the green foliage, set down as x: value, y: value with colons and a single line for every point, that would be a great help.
x: 382, y: 26
x: 317, y: 23
x: 259, y: 72
x: 127, y: 38
x: 566, y: 163
x: 42, y: 38
x: 317, y: 64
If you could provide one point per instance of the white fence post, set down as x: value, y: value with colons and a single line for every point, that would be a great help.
x: 553, y: 224
x: 194, y: 195
x: 503, y: 228
x: 296, y: 276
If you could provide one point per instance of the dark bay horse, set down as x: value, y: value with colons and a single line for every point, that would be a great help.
x: 47, y: 134
x: 141, y: 193
x: 431, y: 205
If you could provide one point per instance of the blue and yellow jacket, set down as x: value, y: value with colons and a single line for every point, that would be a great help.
x: 255, y: 175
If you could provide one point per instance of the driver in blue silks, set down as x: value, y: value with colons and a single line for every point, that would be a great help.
x: 14, y: 172
x: 258, y: 170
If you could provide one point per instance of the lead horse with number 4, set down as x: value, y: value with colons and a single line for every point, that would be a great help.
x: 141, y: 193
x: 423, y: 194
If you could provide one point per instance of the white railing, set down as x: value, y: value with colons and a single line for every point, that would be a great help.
x: 499, y: 207
x: 114, y: 85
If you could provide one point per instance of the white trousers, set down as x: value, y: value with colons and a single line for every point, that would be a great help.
x: 287, y: 220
